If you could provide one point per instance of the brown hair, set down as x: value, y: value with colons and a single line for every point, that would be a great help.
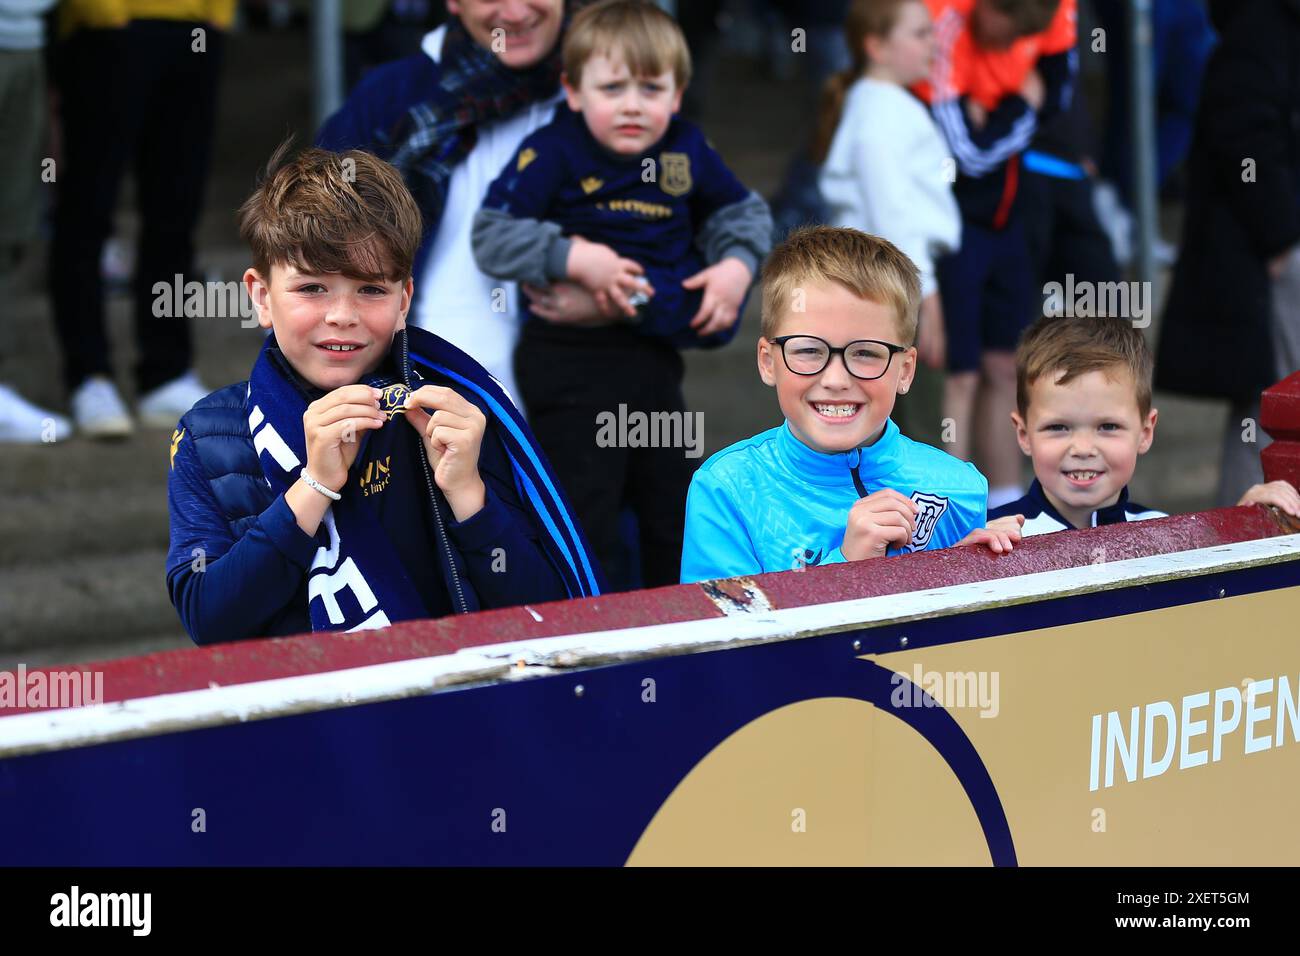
x: 866, y: 18
x: 649, y: 39
x: 1029, y: 16
x: 1073, y: 346
x: 323, y: 212
x: 868, y: 266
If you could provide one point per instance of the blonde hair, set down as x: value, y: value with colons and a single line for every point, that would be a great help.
x: 323, y: 212
x: 1072, y: 346
x: 866, y: 18
x: 650, y: 40
x: 868, y: 266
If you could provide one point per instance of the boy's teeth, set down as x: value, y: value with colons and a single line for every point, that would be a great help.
x: 341, y: 348
x: 836, y: 411
x: 1082, y: 475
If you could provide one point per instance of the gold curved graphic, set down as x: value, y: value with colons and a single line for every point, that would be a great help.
x: 803, y: 786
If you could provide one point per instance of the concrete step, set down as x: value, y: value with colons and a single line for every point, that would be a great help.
x: 85, y: 600
x: 52, y: 524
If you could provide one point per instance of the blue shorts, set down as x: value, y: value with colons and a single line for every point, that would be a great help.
x: 987, y: 287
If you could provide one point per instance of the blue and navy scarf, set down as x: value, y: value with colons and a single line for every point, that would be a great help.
x: 474, y: 87
x: 359, y: 555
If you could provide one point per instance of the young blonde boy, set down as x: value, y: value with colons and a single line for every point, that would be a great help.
x: 366, y: 472
x: 836, y: 481
x: 1084, y: 416
x: 629, y: 201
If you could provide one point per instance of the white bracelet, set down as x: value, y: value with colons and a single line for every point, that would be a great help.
x: 313, y: 483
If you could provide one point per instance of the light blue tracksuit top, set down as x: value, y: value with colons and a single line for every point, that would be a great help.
x: 771, y: 503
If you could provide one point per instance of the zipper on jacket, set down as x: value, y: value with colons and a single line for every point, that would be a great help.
x: 855, y: 460
x: 458, y: 594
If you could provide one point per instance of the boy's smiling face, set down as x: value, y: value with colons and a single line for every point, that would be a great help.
x: 626, y: 114
x: 834, y: 411
x: 333, y: 329
x: 1084, y: 438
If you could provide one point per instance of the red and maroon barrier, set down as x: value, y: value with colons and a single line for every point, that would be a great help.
x: 1279, y: 415
x: 239, y: 663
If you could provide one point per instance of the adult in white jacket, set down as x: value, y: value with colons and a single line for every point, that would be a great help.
x: 887, y: 170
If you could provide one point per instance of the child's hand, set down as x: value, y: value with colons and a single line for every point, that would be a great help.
x: 568, y: 303
x: 1000, y: 534
x: 610, y: 277
x: 931, y: 342
x: 881, y: 519
x: 1033, y: 91
x: 330, y: 426
x: 725, y: 284
x: 452, y: 436
x: 1279, y: 494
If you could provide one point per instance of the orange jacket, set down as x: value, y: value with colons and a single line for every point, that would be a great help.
x: 963, y: 68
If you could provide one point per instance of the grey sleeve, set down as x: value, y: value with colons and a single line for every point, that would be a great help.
x: 521, y: 250
x: 742, y: 230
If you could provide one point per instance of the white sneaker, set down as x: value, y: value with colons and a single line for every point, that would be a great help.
x: 163, y: 406
x: 98, y: 409
x: 25, y: 423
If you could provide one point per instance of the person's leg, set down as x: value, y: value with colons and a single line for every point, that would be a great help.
x: 1240, y: 466
x: 101, y: 112
x: 1240, y: 463
x: 1080, y: 245
x: 1006, y: 308
x: 1037, y: 211
x: 22, y: 131
x: 171, y: 165
x: 996, y: 450
x: 565, y: 386
x: 658, y: 478
x: 1286, y: 317
x: 961, y: 277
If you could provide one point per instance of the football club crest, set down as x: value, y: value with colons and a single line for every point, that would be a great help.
x: 676, y: 173
x: 393, y: 401
x: 931, y: 510
x: 590, y: 184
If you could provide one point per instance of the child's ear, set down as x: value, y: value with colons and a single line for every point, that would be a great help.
x: 570, y: 93
x: 408, y: 296
x: 1148, y: 432
x: 1022, y: 433
x: 259, y: 293
x: 677, y: 99
x: 766, y: 361
x: 872, y: 47
x: 908, y: 372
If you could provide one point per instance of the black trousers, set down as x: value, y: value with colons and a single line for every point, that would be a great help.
x: 571, y: 379
x: 1063, y: 232
x: 138, y: 97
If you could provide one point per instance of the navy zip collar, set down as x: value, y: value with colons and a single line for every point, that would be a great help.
x: 1111, y: 514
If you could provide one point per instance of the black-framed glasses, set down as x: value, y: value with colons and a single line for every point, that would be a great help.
x: 864, y: 358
